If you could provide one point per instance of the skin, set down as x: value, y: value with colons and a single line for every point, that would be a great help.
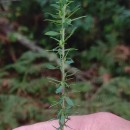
x: 96, y: 121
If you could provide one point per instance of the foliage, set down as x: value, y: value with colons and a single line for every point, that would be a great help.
x: 114, y: 97
x: 21, y: 97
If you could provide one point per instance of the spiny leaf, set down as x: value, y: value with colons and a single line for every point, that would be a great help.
x: 54, y: 80
x: 55, y: 5
x: 74, y: 11
x: 52, y: 33
x: 62, y: 119
x: 72, y: 32
x: 52, y: 15
x: 71, y: 49
x: 56, y: 49
x: 50, y: 66
x: 59, y: 89
x: 69, y: 2
x: 55, y: 39
x: 54, y: 21
x: 69, y: 61
x: 69, y: 101
x: 79, y: 18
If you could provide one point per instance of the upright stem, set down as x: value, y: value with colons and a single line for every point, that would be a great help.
x: 63, y: 60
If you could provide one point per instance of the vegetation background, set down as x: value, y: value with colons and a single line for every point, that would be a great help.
x: 103, y: 44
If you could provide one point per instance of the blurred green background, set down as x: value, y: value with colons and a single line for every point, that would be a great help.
x: 103, y: 43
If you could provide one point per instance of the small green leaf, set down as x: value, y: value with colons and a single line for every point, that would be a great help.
x: 59, y: 89
x: 70, y: 34
x: 52, y: 15
x: 69, y: 61
x: 52, y: 33
x: 55, y: 39
x: 50, y: 66
x: 54, y: 80
x: 62, y: 119
x: 74, y: 11
x: 78, y: 18
x: 55, y: 5
x: 69, y: 101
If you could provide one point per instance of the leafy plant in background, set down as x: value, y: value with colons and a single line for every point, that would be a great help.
x: 15, y: 91
x: 112, y: 95
x: 62, y: 19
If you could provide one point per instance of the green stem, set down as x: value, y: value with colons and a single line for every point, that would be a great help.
x: 63, y: 61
